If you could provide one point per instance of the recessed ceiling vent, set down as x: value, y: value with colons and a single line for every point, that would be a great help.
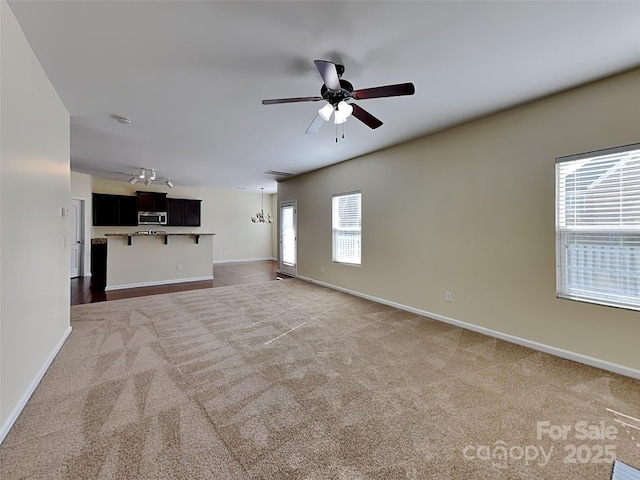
x: 279, y: 174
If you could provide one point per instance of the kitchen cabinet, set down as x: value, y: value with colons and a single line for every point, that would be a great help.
x: 152, y: 202
x: 183, y: 212
x: 175, y: 211
x: 98, y: 262
x: 114, y: 210
x: 128, y: 210
x: 192, y: 212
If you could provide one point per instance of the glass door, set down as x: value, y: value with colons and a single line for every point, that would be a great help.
x: 288, y: 237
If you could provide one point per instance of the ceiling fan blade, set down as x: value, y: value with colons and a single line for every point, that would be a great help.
x: 274, y: 101
x: 386, y: 91
x: 315, y: 125
x: 365, y: 117
x: 328, y: 73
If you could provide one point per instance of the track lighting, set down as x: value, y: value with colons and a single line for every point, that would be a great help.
x: 148, y: 175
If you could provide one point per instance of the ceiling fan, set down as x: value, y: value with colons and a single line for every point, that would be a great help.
x: 336, y: 92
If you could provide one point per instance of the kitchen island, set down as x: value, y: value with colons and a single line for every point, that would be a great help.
x: 143, y: 259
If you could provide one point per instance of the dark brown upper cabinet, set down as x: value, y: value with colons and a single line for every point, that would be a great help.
x: 183, y: 212
x: 114, y: 210
x: 152, y: 202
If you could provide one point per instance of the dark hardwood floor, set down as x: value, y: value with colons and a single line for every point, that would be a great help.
x: 226, y: 274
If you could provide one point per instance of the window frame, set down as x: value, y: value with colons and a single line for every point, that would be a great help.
x: 334, y: 229
x: 579, y: 229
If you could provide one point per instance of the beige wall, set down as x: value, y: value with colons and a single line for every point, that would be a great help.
x: 81, y: 189
x: 470, y: 210
x: 34, y: 186
x: 225, y: 213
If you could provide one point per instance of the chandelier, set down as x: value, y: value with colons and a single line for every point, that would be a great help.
x: 262, y: 217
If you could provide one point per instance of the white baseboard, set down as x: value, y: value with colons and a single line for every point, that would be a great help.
x: 157, y: 283
x: 243, y: 260
x: 541, y: 347
x: 13, y: 416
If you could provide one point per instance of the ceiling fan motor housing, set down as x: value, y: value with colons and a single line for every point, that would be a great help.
x: 334, y: 97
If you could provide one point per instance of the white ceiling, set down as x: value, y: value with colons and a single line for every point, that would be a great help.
x: 191, y: 75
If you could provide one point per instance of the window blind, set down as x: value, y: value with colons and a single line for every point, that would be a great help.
x: 347, y: 224
x: 598, y: 227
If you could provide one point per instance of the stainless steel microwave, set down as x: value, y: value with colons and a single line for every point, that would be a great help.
x: 152, y: 218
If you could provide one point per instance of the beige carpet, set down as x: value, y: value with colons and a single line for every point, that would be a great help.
x: 288, y: 380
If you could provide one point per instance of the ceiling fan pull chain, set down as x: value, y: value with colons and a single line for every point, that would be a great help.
x: 343, y: 131
x: 336, y: 133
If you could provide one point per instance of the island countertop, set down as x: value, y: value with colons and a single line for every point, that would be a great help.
x: 152, y: 233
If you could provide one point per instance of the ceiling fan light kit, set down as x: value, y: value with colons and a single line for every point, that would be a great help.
x: 325, y: 112
x: 345, y: 108
x: 336, y: 91
x: 343, y: 111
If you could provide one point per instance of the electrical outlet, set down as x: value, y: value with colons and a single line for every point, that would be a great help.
x: 321, y: 269
x: 448, y: 296
x: 179, y: 266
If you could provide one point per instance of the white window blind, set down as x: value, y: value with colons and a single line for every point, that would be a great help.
x: 347, y: 228
x: 598, y: 227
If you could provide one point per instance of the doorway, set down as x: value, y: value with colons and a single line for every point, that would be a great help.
x: 76, y: 242
x: 288, y: 237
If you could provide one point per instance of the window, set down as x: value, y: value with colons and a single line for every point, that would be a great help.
x: 598, y: 227
x: 346, y: 228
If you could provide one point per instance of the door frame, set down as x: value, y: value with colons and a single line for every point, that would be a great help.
x: 291, y: 270
x: 81, y: 227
